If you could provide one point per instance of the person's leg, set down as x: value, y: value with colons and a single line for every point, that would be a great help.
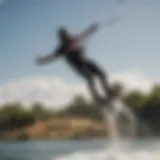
x: 94, y: 68
x: 85, y: 73
x: 92, y: 89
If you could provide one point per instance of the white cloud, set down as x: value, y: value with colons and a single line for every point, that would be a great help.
x: 55, y: 92
x: 133, y: 79
x: 50, y: 91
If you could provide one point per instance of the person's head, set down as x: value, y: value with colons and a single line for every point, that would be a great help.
x: 63, y: 34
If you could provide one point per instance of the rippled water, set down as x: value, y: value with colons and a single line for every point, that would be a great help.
x: 78, y: 150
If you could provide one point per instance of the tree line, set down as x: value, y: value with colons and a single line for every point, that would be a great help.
x: 145, y: 105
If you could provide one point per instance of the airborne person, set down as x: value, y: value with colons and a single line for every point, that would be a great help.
x: 75, y: 56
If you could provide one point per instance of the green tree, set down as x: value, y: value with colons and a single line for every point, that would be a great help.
x: 135, y: 99
x: 40, y: 112
x: 14, y: 115
x: 79, y: 107
x: 154, y: 96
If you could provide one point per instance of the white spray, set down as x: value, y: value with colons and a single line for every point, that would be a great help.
x: 120, y: 136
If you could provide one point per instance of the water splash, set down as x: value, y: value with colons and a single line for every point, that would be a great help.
x: 121, y: 125
x: 121, y: 137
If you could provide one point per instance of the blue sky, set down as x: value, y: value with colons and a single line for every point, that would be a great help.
x: 27, y: 29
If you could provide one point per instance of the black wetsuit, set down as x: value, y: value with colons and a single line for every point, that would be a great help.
x: 85, y: 67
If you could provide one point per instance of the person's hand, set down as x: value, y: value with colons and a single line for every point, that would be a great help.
x: 94, y: 27
x: 39, y: 60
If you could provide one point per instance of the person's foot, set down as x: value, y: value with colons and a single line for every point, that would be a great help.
x: 111, y: 94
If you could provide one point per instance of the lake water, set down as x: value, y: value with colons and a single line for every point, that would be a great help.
x: 78, y: 150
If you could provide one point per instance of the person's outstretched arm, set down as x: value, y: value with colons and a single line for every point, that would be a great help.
x: 91, y: 29
x: 48, y: 58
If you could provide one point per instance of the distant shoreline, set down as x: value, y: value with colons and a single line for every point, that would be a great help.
x: 59, y: 129
x: 79, y: 119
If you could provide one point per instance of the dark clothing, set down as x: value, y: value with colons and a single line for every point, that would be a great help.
x: 89, y: 69
x: 70, y: 50
x: 86, y: 68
